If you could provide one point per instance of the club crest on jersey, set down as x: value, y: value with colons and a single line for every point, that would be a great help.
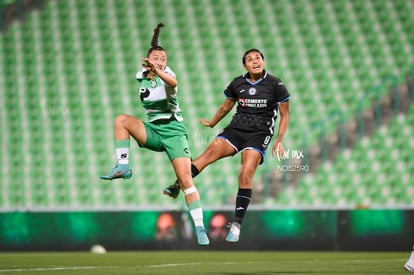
x: 153, y: 83
x: 242, y: 102
x: 252, y: 91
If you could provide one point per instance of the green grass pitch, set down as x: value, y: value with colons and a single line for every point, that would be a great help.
x: 203, y: 262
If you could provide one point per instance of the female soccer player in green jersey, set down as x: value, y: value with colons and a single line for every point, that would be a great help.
x: 164, y: 131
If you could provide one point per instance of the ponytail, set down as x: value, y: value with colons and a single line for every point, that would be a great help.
x: 154, y: 41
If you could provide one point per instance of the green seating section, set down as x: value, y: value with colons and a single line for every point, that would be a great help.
x: 376, y: 173
x: 66, y: 71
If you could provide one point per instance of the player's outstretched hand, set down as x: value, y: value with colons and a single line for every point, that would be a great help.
x: 205, y: 122
x: 148, y: 65
x: 278, y: 150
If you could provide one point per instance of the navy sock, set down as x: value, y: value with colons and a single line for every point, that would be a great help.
x: 194, y: 171
x: 242, y: 202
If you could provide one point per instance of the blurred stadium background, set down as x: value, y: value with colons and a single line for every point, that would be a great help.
x: 67, y: 68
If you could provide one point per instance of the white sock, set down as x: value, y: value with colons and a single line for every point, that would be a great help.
x: 122, y: 154
x: 197, y: 215
x: 195, y: 209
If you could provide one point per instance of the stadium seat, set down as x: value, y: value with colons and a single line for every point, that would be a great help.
x: 328, y: 53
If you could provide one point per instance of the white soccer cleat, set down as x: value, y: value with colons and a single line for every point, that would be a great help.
x: 409, y: 265
x: 202, y: 237
x: 234, y: 233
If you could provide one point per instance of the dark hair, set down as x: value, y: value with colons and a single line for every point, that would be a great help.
x: 154, y: 41
x: 251, y: 51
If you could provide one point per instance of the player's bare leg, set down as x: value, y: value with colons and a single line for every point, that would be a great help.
x: 218, y: 148
x: 124, y: 127
x: 192, y: 198
x: 250, y: 160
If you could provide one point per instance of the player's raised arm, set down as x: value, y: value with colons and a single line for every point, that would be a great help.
x: 283, y: 124
x: 154, y: 65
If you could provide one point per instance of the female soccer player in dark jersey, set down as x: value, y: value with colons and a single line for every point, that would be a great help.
x: 163, y: 132
x: 259, y: 96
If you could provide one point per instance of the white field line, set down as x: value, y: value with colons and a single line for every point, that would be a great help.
x: 256, y: 262
x: 54, y: 268
x: 191, y: 264
x: 174, y: 265
x: 171, y: 265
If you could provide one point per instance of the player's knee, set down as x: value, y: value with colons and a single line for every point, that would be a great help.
x: 120, y: 120
x: 246, y: 178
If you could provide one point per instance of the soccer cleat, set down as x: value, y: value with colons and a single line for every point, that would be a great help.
x: 120, y: 171
x: 234, y: 232
x: 173, y: 190
x: 202, y: 237
x: 409, y: 266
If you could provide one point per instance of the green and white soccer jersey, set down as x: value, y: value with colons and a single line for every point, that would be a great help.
x: 159, y: 100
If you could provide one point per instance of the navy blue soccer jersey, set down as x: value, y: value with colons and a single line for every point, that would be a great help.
x: 257, y: 102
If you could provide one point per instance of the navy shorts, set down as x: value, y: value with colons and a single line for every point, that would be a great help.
x: 241, y: 140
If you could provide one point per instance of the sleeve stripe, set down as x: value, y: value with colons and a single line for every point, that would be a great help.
x: 284, y: 100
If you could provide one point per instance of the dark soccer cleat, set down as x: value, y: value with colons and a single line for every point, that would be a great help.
x: 172, y: 191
